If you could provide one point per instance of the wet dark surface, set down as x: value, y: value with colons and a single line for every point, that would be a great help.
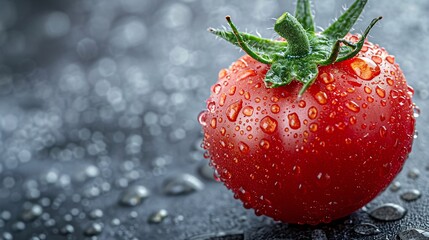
x: 99, y: 137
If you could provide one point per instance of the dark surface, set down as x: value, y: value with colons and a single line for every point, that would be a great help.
x: 97, y: 96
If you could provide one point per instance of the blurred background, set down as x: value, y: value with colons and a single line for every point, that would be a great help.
x: 99, y: 134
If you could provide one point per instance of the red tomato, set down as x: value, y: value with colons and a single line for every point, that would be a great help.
x: 317, y: 158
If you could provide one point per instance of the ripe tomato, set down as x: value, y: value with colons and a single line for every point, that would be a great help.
x: 318, y: 157
x: 312, y: 129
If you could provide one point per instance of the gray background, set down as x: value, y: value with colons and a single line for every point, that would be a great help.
x: 100, y: 95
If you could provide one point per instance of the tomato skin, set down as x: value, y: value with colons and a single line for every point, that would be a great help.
x: 317, y: 158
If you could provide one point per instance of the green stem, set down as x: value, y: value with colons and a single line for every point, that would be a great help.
x: 289, y: 28
x: 303, y: 15
x: 244, y: 46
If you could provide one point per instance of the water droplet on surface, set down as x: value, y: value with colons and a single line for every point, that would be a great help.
x: 413, y: 173
x: 96, y: 214
x: 275, y: 108
x: 353, y: 106
x: 383, y: 131
x: 134, y: 195
x: 213, y: 123
x: 302, y: 104
x: 390, y: 59
x: 245, y: 74
x: 67, y: 229
x: 377, y: 59
x: 388, y: 212
x: 327, y: 77
x: 222, y: 99
x: 413, y: 234
x: 158, y: 216
x: 202, y: 118
x: 312, y: 113
x: 93, y: 229
x: 366, y: 229
x: 264, y: 144
x: 248, y: 111
x: 206, y: 171
x: 18, y: 226
x: 313, y: 127
x: 182, y: 184
x: 268, y: 124
x: 380, y: 92
x: 417, y: 111
x: 216, y: 88
x: 321, y: 97
x: 294, y: 121
x: 244, y: 148
x: 233, y: 110
x: 33, y: 212
x: 395, y: 186
x: 365, y: 68
x: 411, y: 195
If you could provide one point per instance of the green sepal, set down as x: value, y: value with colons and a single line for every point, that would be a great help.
x: 299, y: 58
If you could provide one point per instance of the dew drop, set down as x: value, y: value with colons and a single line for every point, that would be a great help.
x: 352, y: 120
x: 321, y: 98
x: 414, y: 173
x: 377, y: 59
x: 313, y: 127
x: 248, y: 111
x: 312, y: 113
x: 353, y: 106
x: 275, y: 108
x: 366, y: 229
x: 31, y: 213
x: 388, y: 212
x: 213, y: 123
x: 134, y: 195
x: 233, y: 110
x: 411, y: 195
x: 202, y: 117
x: 365, y: 68
x: 182, y: 184
x: 413, y: 234
x: 380, y: 92
x: 383, y: 131
x: 417, y: 111
x: 216, y: 88
x: 245, y: 74
x: 389, y: 81
x: 327, y: 77
x: 294, y: 121
x: 232, y: 90
x: 93, y: 229
x: 302, y: 104
x: 268, y: 124
x: 367, y: 89
x: 264, y: 144
x: 222, y: 99
x: 223, y: 131
x: 390, y: 59
x: 244, y: 148
x: 395, y: 186
x: 158, y: 216
x: 211, y: 106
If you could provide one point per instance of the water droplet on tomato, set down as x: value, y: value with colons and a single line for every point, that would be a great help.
x: 329, y: 129
x: 233, y: 110
x: 370, y: 99
x: 222, y: 73
x: 223, y: 131
x: 390, y: 59
x: 211, y: 106
x: 222, y: 99
x: 321, y: 98
x: 247, y: 95
x: 380, y: 92
x: 202, y: 117
x: 327, y: 77
x: 275, y: 108
x: 216, y: 88
x: 353, y: 106
x: 294, y: 121
x: 302, y: 104
x: 244, y: 148
x: 410, y: 91
x: 348, y: 140
x: 376, y: 59
x: 417, y: 111
x: 365, y: 68
x: 383, y: 131
x: 232, y: 90
x: 313, y: 127
x: 389, y: 81
x: 248, y: 111
x: 245, y: 74
x: 268, y: 124
x: 264, y: 144
x: 213, y: 123
x: 367, y: 89
x: 312, y: 113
